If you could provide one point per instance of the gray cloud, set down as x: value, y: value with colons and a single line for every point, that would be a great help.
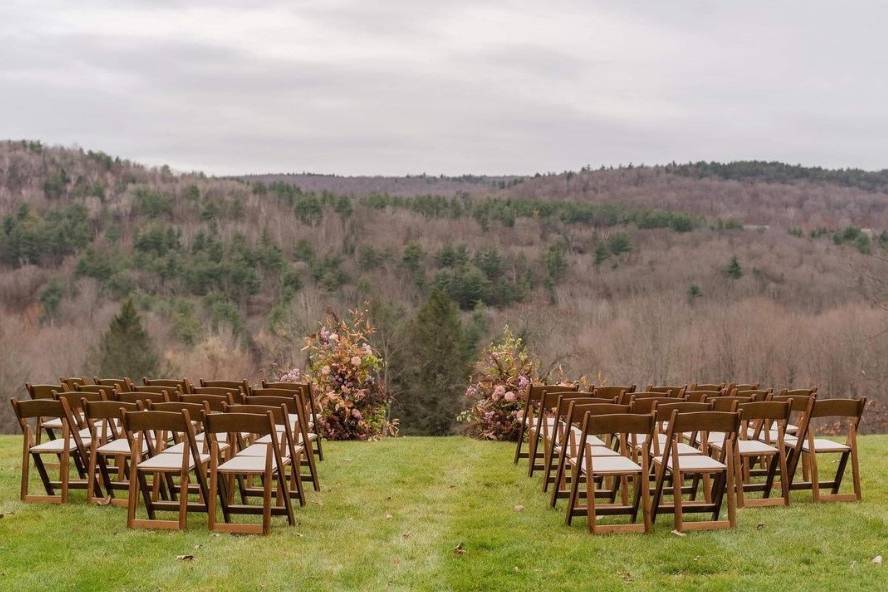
x: 405, y: 87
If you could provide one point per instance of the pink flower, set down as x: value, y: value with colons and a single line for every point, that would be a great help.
x: 510, y: 396
x: 356, y: 361
x: 523, y: 382
x: 325, y: 370
x: 498, y: 391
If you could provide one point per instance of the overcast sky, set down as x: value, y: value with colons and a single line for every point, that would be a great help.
x: 455, y: 86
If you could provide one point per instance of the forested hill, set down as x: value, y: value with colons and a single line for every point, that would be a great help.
x: 754, y: 271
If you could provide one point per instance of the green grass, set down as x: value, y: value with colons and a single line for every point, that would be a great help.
x: 391, y: 513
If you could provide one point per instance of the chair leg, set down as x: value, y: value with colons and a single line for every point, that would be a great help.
x: 183, y: 497
x: 676, y: 496
x: 815, y: 478
x: 731, y: 485
x: 574, y: 490
x: 855, y: 472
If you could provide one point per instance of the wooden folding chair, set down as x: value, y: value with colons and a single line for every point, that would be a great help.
x: 542, y: 424
x: 534, y: 395
x: 802, y: 393
x: 307, y: 392
x: 848, y: 412
x: 262, y: 459
x: 555, y: 426
x: 64, y: 448
x: 292, y: 452
x: 750, y: 450
x: 181, y: 384
x: 296, y: 406
x: 106, y: 391
x: 571, y: 446
x: 45, y: 391
x: 720, y: 471
x: 617, y: 467
x: 108, y: 441
x: 141, y: 428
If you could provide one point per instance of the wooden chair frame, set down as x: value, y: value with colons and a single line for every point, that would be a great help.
x: 534, y: 395
x: 313, y: 406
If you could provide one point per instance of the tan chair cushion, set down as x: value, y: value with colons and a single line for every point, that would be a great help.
x: 58, y: 445
x: 612, y: 464
x: 246, y: 464
x: 170, y: 461
x: 824, y: 445
x: 694, y: 462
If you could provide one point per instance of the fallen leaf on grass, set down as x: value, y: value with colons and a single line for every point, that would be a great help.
x: 519, y: 508
x: 877, y: 560
x: 406, y: 535
x: 388, y: 516
x: 677, y: 533
x: 459, y: 549
x: 760, y: 526
x: 184, y: 557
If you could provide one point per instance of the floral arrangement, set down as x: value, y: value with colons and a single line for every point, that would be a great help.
x: 499, y: 385
x: 344, y: 372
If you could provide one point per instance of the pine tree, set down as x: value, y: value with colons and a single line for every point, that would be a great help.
x: 733, y: 270
x: 126, y: 348
x: 434, y: 368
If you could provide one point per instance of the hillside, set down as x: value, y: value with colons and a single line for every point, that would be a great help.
x: 748, y: 272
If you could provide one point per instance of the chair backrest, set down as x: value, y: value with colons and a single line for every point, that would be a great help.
x: 143, y: 396
x: 618, y: 423
x: 234, y: 393
x: 70, y: 383
x: 699, y: 396
x: 747, y: 386
x: 727, y: 402
x: 273, y: 392
x: 259, y: 424
x: 609, y: 392
x: 764, y: 410
x: 647, y: 404
x: 47, y: 408
x: 242, y: 385
x: 213, y: 402
x: 704, y: 421
x: 74, y: 397
x: 290, y: 386
x: 157, y: 421
x: 664, y: 411
x: 706, y: 387
x: 754, y: 394
x: 196, y: 411
x: 122, y: 384
x: 278, y: 412
x: 105, y: 412
x: 96, y: 410
x: 290, y: 402
x: 802, y: 392
x: 43, y: 391
x: 153, y: 388
x: 671, y: 391
x: 180, y: 383
x: 107, y: 391
x: 50, y: 408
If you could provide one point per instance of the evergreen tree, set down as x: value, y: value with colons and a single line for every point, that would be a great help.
x: 126, y: 348
x: 434, y: 367
x: 733, y: 270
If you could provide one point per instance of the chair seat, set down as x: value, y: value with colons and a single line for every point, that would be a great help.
x: 245, y: 463
x: 118, y: 446
x: 170, y: 461
x: 593, y: 440
x: 694, y: 462
x: 220, y: 437
x: 824, y: 445
x: 180, y: 448
x: 612, y: 464
x: 748, y: 447
x: 58, y: 444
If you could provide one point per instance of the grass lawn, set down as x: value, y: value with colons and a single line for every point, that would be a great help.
x: 391, y: 513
